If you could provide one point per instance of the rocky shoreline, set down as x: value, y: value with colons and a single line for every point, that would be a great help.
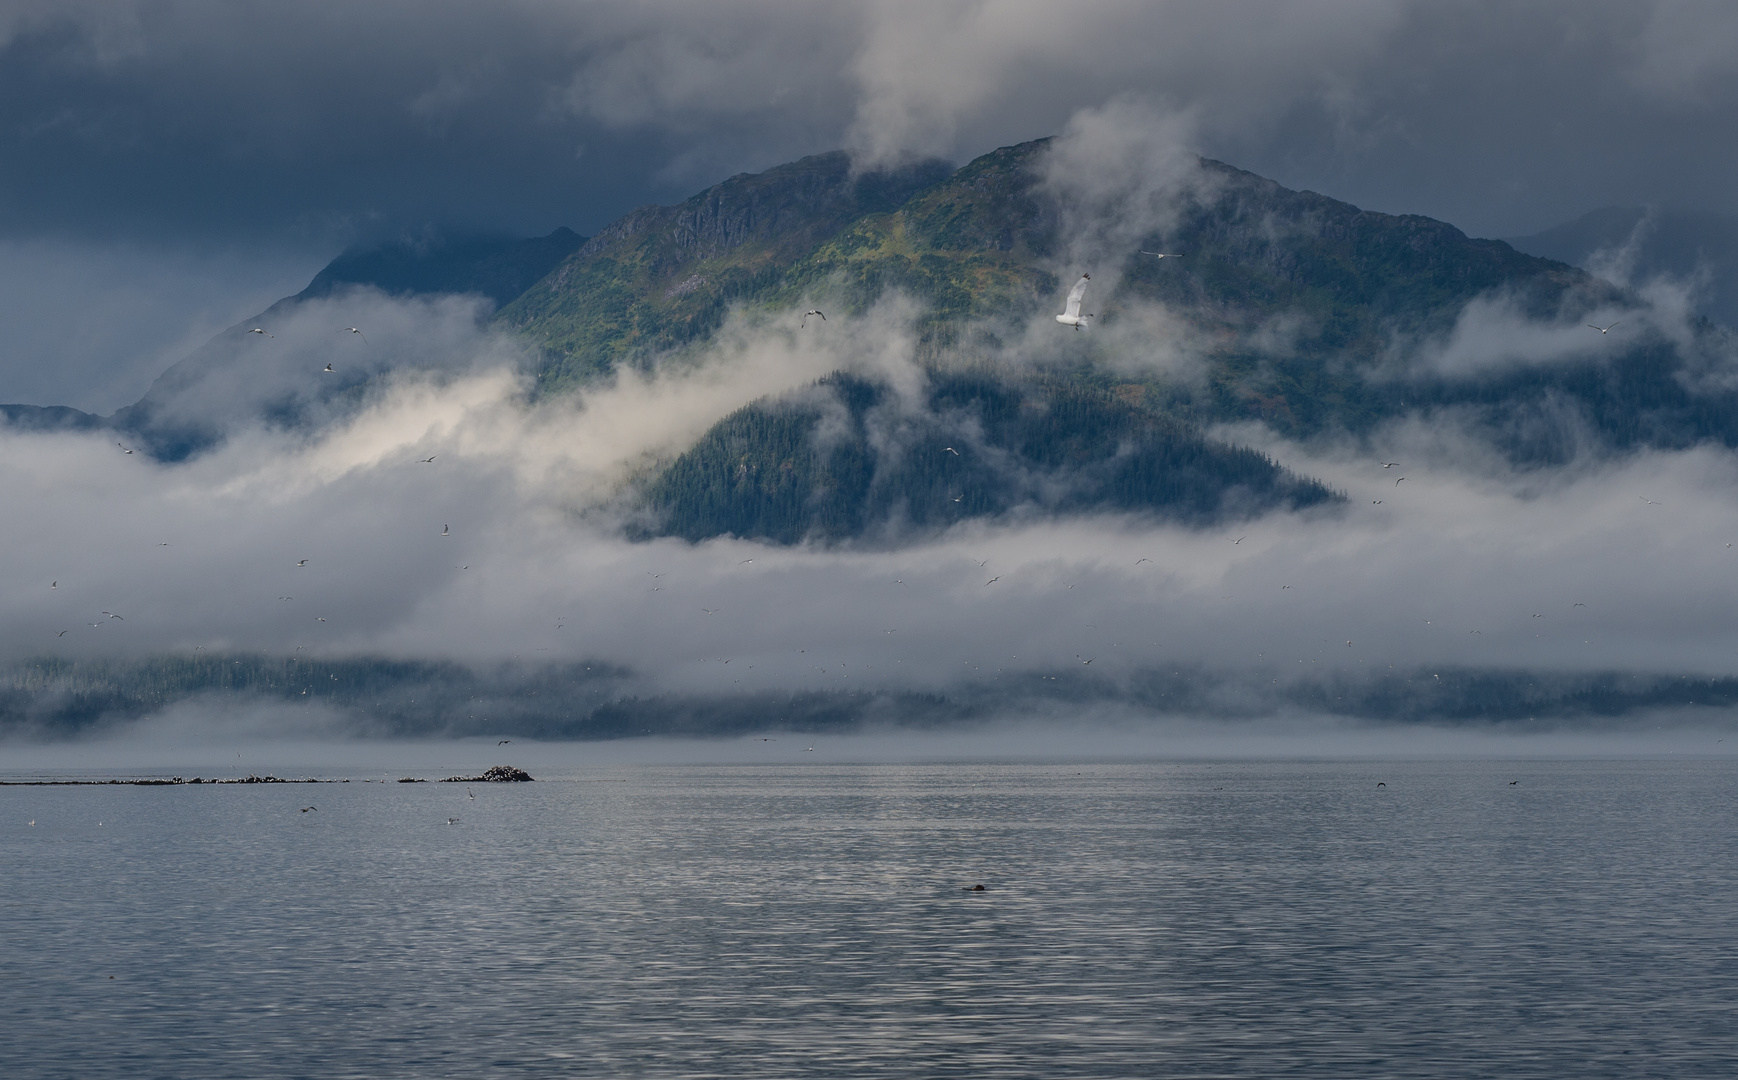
x: 498, y: 774
x: 172, y: 782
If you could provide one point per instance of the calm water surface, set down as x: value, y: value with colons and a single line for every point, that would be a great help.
x: 1138, y: 920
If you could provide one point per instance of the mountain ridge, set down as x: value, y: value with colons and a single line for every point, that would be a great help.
x: 1298, y: 311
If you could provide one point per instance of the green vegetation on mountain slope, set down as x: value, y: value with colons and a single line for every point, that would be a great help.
x: 849, y: 459
x: 1309, y: 314
x: 666, y: 275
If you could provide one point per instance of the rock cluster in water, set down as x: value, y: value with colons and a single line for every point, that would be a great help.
x: 499, y: 774
x: 173, y: 781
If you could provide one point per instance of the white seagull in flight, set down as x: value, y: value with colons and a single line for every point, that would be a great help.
x: 817, y: 311
x: 1071, y: 315
x: 1603, y: 329
x: 358, y: 333
x: 1161, y: 255
x: 257, y: 330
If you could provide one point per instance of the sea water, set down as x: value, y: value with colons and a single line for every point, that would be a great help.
x: 1318, y: 919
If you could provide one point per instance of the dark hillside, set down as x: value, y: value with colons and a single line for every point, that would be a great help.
x: 499, y: 268
x: 852, y: 461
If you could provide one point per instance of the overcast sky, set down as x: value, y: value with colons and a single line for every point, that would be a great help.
x: 169, y: 166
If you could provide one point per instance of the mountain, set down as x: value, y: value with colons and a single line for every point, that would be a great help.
x: 1638, y: 243
x: 231, y: 380
x: 41, y: 418
x: 1288, y: 308
x: 1309, y: 313
x: 500, y: 268
x: 196, y: 401
x: 1305, y: 313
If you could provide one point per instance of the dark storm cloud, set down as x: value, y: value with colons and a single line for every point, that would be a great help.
x: 330, y: 119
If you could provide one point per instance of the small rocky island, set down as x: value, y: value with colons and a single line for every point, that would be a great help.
x: 499, y: 774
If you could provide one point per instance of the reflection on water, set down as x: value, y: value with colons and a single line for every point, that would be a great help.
x: 1239, y: 918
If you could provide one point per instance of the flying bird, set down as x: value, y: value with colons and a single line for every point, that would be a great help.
x: 301, y: 562
x: 1390, y: 464
x: 444, y: 531
x: 358, y: 333
x: 1649, y: 501
x: 1239, y: 540
x: 992, y: 581
x: 1071, y: 315
x: 1603, y: 329
x: 817, y: 311
x: 124, y: 450
x: 112, y: 615
x: 63, y: 633
x: 328, y: 369
x: 1397, y: 482
x: 503, y: 742
x: 950, y: 450
x: 710, y: 611
x: 1161, y: 255
x: 426, y: 460
x: 305, y: 809
x: 1139, y: 561
x: 54, y: 584
x: 257, y: 330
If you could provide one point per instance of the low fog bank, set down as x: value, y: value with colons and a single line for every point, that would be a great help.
x: 218, y: 699
x: 1099, y: 736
